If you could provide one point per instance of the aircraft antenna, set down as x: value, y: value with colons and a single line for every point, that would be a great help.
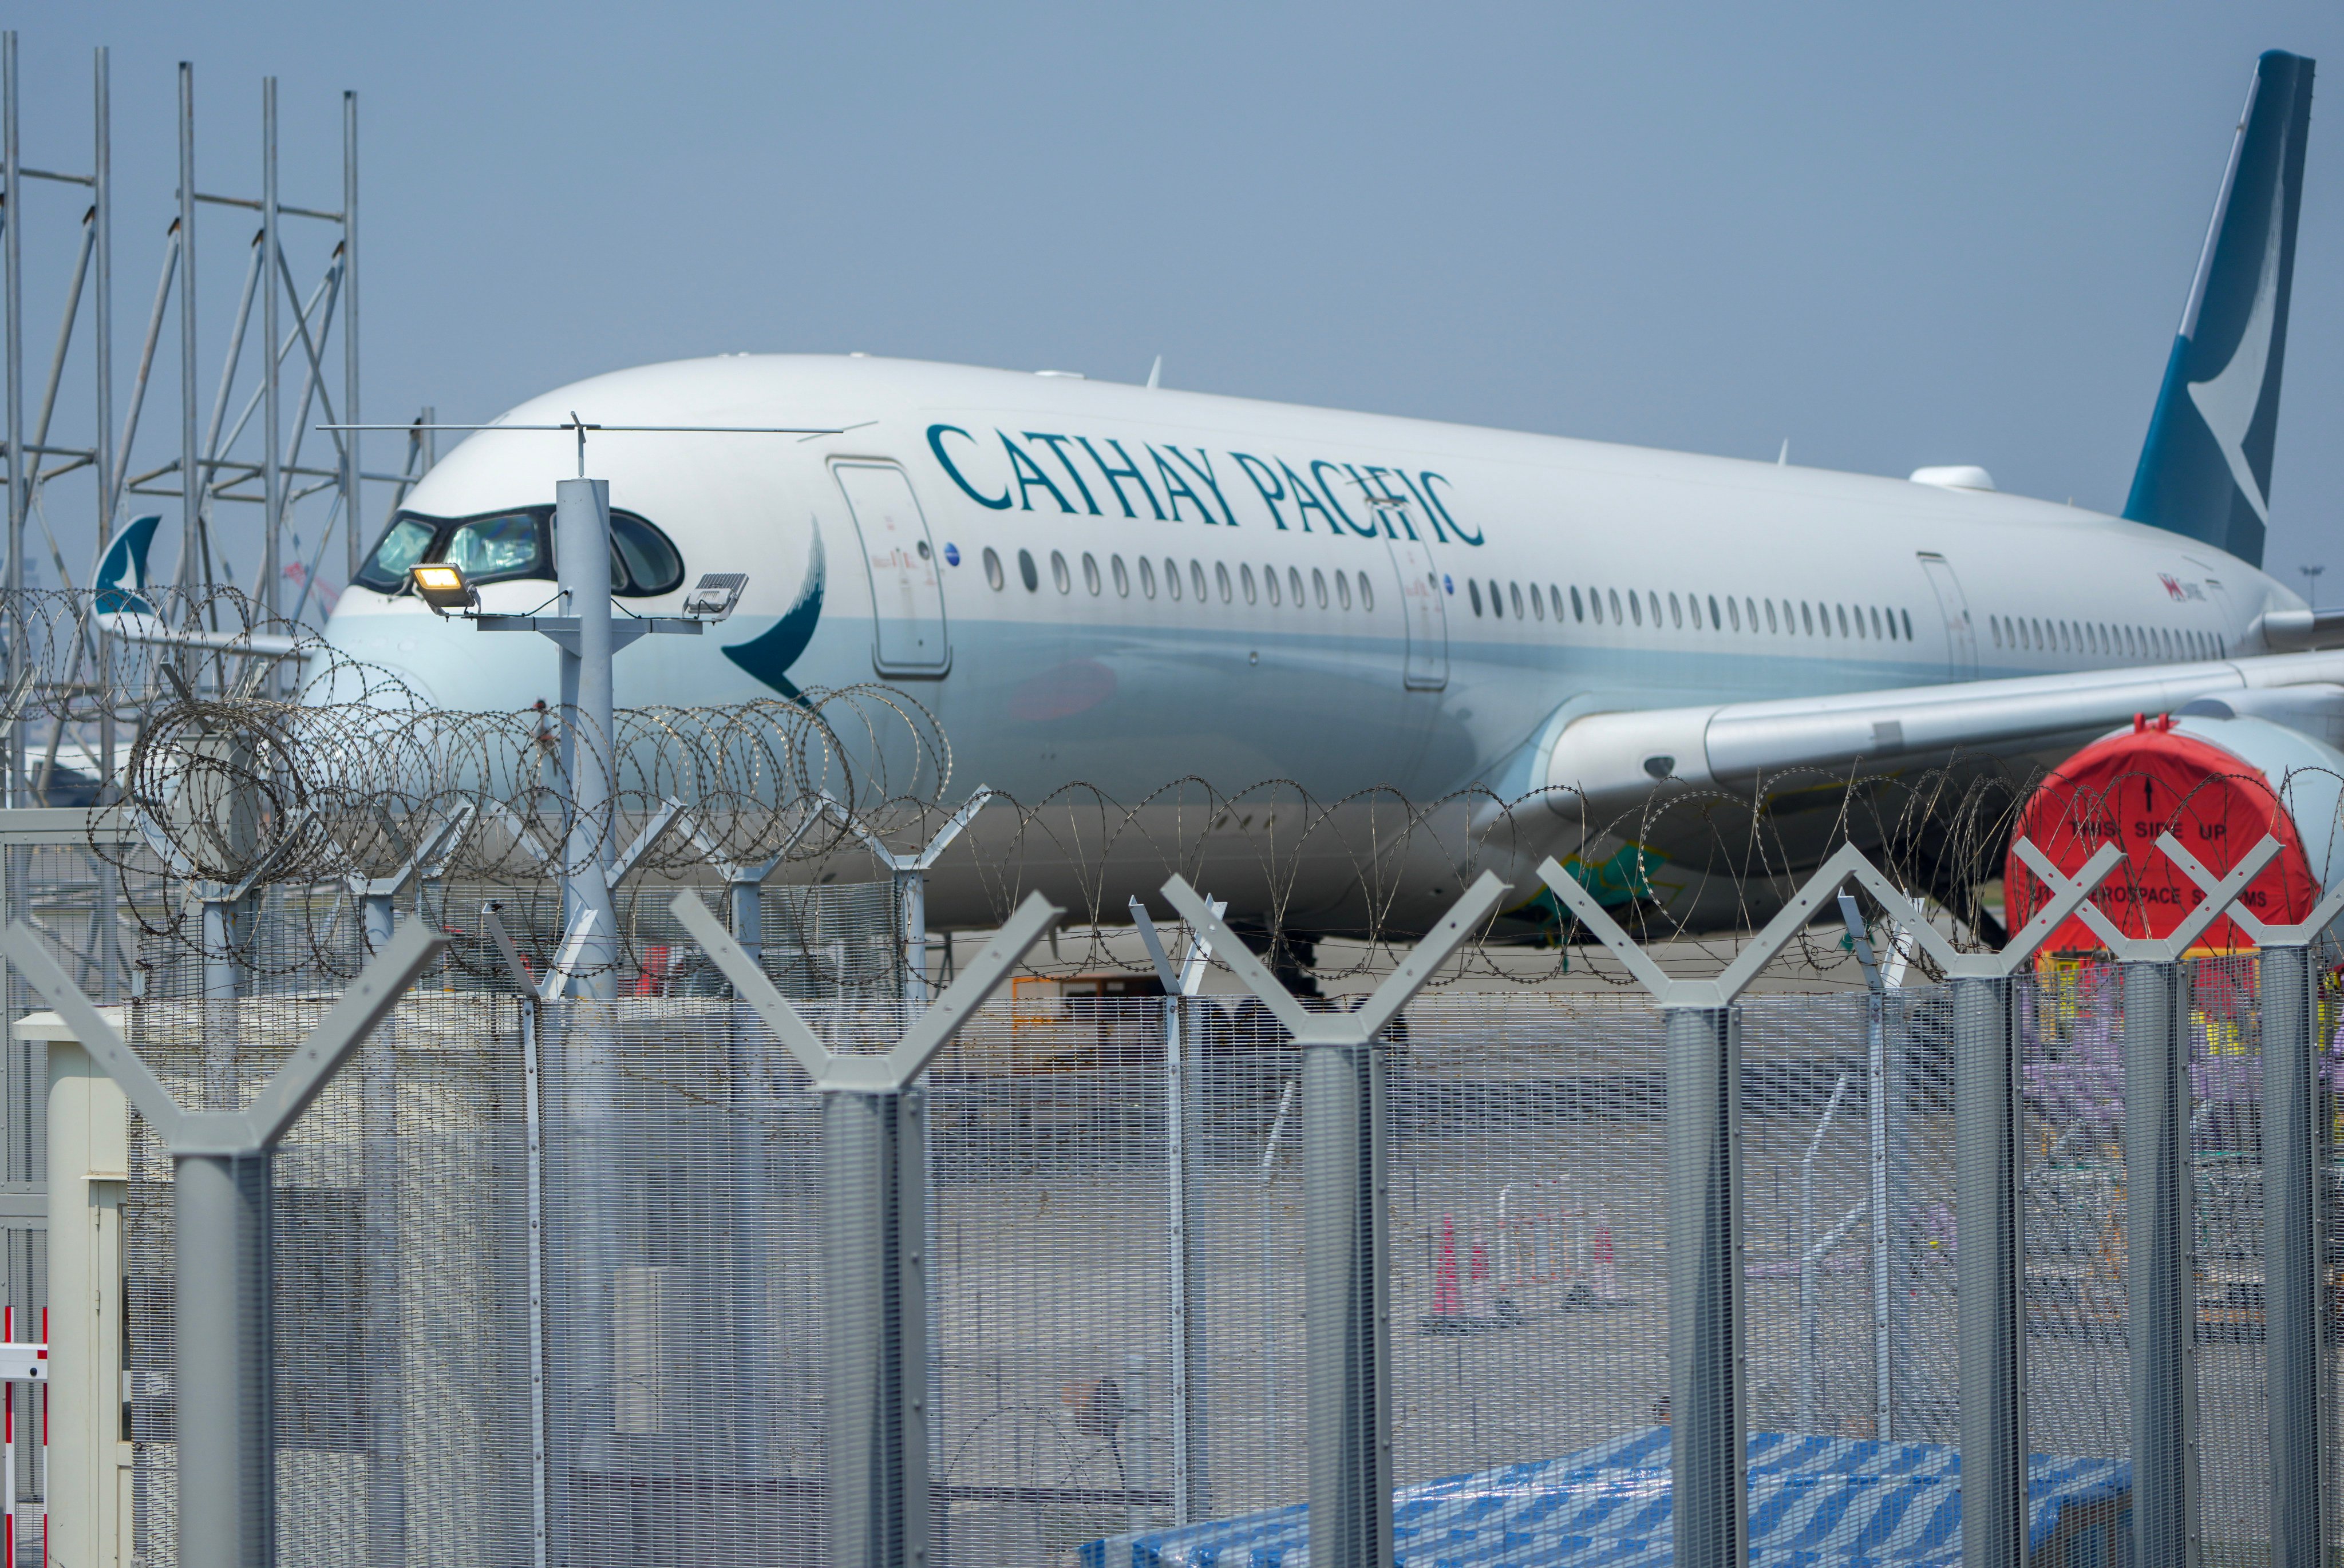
x: 582, y: 427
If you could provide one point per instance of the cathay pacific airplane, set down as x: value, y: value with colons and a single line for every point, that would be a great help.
x: 1127, y: 585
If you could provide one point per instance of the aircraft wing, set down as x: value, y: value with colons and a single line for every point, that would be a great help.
x: 1607, y: 763
x: 132, y: 626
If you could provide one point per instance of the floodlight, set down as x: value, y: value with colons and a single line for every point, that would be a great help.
x: 441, y: 585
x: 713, y: 598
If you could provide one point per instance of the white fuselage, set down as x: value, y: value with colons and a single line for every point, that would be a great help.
x: 1100, y: 673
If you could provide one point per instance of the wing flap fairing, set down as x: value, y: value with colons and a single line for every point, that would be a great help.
x: 1608, y: 762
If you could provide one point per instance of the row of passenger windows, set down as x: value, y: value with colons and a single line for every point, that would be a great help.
x: 2094, y: 637
x: 1794, y: 618
x: 1343, y: 585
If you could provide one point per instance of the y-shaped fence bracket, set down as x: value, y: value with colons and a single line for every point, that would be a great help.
x: 219, y: 899
x: 1708, y: 1397
x: 744, y: 880
x: 2219, y: 895
x: 1184, y: 979
x: 565, y: 958
x: 860, y: 1073
x: 375, y: 894
x: 1347, y: 1264
x: 222, y: 1161
x: 910, y: 872
x: 654, y: 828
x: 882, y: 1509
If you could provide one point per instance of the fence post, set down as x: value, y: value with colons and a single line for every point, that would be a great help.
x: 1191, y: 1475
x: 224, y: 1377
x: 878, y: 1382
x: 2294, y: 1250
x: 533, y: 993
x: 1347, y: 1269
x: 1705, y: 1267
x: 1990, y: 1270
x: 1707, y: 1390
x: 1879, y: 1094
x: 2161, y: 1323
x: 2295, y: 1245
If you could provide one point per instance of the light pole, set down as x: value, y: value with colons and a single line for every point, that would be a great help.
x: 2310, y: 582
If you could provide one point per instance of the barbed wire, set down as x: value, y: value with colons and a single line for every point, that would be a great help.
x: 312, y: 771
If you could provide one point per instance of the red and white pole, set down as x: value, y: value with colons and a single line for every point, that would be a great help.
x: 8, y: 1447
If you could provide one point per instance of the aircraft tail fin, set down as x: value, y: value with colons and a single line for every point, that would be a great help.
x: 2205, y: 468
x: 120, y: 582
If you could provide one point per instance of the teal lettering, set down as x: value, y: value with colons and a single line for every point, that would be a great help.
x: 1115, y: 477
x: 1431, y: 514
x: 1206, y: 474
x: 1272, y: 492
x: 1020, y: 467
x: 1058, y: 444
x: 1428, y: 476
x: 1174, y: 486
x: 1385, y: 491
x: 1335, y: 500
x: 1305, y: 498
x: 936, y: 434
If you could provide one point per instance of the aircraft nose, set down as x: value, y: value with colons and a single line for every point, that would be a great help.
x: 408, y: 648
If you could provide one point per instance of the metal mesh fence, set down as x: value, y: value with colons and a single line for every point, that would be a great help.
x: 1117, y: 1310
x: 401, y: 1289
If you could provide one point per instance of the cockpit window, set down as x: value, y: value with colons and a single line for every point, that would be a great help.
x: 643, y: 563
x: 498, y: 547
x: 489, y: 549
x: 402, y: 546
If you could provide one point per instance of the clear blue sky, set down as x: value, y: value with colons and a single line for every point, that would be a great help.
x: 1892, y: 235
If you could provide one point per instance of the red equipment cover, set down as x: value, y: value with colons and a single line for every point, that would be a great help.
x: 2129, y: 789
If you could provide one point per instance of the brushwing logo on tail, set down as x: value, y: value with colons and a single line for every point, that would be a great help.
x: 118, y: 592
x: 769, y: 656
x: 2229, y: 399
x: 121, y: 578
x: 2205, y: 471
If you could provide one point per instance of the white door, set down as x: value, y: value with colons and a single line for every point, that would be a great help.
x: 907, y: 599
x: 1424, y: 613
x: 1960, y: 635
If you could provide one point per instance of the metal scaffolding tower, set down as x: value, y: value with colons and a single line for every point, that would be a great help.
x: 254, y: 442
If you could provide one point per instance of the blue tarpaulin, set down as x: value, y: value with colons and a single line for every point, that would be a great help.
x: 1814, y: 1502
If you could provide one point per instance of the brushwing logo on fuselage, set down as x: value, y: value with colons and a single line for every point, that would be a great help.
x: 769, y: 655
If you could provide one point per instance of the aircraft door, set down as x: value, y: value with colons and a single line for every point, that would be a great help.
x: 1423, y: 613
x: 1961, y: 634
x: 908, y: 602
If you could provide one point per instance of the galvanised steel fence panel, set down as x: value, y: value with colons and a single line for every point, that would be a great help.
x: 683, y: 1158
x: 400, y: 1278
x: 670, y: 1405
